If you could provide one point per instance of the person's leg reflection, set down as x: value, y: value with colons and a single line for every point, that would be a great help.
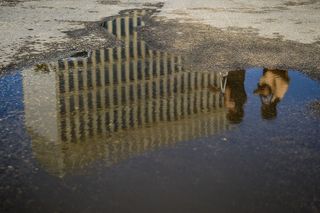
x: 235, y: 96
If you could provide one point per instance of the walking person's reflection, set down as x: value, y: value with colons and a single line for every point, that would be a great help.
x: 272, y: 87
x: 235, y: 96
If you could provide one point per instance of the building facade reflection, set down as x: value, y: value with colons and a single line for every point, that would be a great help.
x: 118, y: 102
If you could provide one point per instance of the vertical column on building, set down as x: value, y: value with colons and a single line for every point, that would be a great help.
x: 94, y: 92
x: 186, y: 86
x: 206, y: 92
x: 76, y: 95
x: 118, y: 27
x: 217, y: 96
x: 150, y: 95
x: 192, y: 85
x: 119, y: 88
x: 157, y: 89
x: 198, y: 91
x: 211, y: 97
x: 103, y: 91
x: 143, y: 83
x: 111, y: 90
x: 59, y: 117
x: 171, y: 82
x: 109, y: 26
x: 135, y: 69
x: 179, y: 89
x: 165, y: 88
x: 67, y: 99
x: 127, y: 71
x: 85, y: 97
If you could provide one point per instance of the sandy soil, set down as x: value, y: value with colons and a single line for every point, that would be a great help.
x: 296, y: 20
x: 34, y: 31
x: 35, y: 27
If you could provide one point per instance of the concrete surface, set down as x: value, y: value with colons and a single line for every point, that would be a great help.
x: 293, y: 20
x: 30, y: 26
x: 35, y: 27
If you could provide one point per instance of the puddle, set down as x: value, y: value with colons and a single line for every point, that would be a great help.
x: 112, y: 127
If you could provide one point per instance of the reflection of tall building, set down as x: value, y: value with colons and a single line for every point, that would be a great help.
x: 117, y: 103
x: 125, y: 26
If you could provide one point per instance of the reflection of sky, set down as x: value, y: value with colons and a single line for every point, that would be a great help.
x: 11, y: 95
x: 293, y: 113
x: 15, y: 143
x: 302, y: 88
x: 12, y: 126
x: 301, y: 91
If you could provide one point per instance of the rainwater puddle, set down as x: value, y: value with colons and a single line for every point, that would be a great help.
x: 133, y: 129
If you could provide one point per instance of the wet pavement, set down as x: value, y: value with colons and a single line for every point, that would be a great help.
x: 139, y: 129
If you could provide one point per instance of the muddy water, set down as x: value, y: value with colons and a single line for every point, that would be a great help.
x: 133, y: 129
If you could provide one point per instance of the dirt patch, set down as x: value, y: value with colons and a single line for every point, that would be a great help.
x: 9, y: 2
x: 109, y: 2
x: 211, y: 49
x: 315, y: 108
x: 93, y: 36
x: 204, y: 47
x: 300, y: 3
x: 12, y: 3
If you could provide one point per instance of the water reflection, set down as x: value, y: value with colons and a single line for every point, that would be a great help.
x: 118, y: 102
x: 115, y: 103
x: 271, y: 88
x: 125, y: 26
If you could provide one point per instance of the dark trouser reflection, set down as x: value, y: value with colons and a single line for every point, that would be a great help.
x: 271, y: 88
x: 235, y: 96
x: 232, y: 87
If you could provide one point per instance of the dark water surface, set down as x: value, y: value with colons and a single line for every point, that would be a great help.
x: 131, y: 129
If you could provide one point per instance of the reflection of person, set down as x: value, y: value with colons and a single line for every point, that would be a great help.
x: 272, y: 87
x: 235, y: 96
